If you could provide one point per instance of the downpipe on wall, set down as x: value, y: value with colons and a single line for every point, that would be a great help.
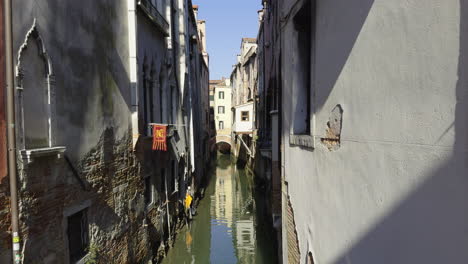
x: 11, y: 135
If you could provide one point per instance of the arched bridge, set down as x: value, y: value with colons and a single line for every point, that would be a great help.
x: 223, y: 138
x: 222, y: 141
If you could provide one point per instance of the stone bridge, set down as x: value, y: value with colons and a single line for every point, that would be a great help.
x: 223, y: 138
x: 221, y: 141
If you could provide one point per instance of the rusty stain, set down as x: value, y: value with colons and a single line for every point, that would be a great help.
x: 332, y: 139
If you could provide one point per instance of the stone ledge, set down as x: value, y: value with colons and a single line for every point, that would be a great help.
x: 306, y: 141
x: 28, y: 155
x: 153, y: 14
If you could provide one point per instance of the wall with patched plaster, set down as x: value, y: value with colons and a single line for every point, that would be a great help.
x: 396, y: 189
x: 87, y: 43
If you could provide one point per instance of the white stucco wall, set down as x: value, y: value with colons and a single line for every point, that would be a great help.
x: 244, y: 126
x: 396, y: 190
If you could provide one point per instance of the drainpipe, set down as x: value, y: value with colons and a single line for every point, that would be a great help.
x: 10, y: 102
x: 167, y: 207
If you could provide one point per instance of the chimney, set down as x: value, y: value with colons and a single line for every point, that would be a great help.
x: 195, y: 11
x: 260, y: 17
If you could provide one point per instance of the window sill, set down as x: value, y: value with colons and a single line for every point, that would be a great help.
x: 28, y: 155
x: 306, y: 141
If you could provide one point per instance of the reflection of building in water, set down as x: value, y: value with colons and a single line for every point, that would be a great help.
x: 245, y: 235
x: 244, y: 228
x: 223, y: 201
x: 233, y: 206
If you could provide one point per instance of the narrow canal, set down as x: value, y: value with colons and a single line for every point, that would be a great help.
x: 228, y: 228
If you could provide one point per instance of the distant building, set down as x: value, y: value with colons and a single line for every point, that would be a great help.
x: 222, y: 106
x: 244, y: 89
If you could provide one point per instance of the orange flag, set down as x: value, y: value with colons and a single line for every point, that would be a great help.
x: 159, y: 137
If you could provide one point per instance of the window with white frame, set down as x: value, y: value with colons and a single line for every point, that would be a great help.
x: 221, y: 95
x: 221, y: 125
x: 221, y: 109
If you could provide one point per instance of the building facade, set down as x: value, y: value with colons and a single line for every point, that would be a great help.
x: 244, y: 90
x: 89, y: 86
x: 267, y: 161
x: 222, y: 107
x: 370, y: 97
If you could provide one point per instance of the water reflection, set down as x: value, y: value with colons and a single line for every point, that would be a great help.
x: 225, y: 229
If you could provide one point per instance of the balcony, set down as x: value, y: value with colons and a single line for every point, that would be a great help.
x: 153, y: 14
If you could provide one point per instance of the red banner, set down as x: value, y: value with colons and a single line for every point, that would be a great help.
x: 159, y: 137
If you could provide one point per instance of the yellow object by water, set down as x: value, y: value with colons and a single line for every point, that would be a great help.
x: 188, y: 201
x: 188, y: 239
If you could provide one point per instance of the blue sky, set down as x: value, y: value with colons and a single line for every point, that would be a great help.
x: 227, y: 22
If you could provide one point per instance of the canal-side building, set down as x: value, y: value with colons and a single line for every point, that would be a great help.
x: 196, y: 96
x: 89, y: 87
x: 222, y: 113
x: 267, y: 161
x: 372, y: 99
x: 244, y: 88
x: 222, y: 106
x: 212, y: 85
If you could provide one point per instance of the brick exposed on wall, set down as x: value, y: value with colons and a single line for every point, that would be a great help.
x: 5, y: 218
x: 116, y: 214
x: 294, y: 253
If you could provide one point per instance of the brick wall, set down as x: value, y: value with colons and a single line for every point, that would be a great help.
x: 113, y: 187
x: 294, y: 254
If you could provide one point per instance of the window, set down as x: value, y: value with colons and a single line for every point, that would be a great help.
x: 35, y: 94
x: 221, y: 95
x: 303, y: 22
x: 148, y: 87
x: 78, y: 235
x: 245, y: 116
x: 220, y: 109
x: 148, y: 191
x: 221, y: 125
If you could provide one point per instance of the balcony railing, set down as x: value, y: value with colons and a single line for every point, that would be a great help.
x: 153, y: 14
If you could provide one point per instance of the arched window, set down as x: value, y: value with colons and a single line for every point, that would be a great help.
x: 35, y: 96
x: 35, y: 99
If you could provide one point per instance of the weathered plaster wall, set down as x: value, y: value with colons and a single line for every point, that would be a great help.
x: 90, y: 65
x: 396, y: 189
x: 87, y: 43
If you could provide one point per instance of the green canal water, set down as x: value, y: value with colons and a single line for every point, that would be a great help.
x: 228, y: 227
